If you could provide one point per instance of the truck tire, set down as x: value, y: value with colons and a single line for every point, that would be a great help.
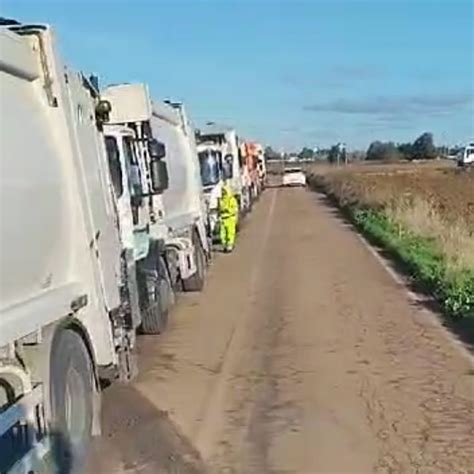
x: 156, y: 299
x: 196, y: 281
x: 71, y: 395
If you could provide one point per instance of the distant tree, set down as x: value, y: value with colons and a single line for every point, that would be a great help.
x: 383, y: 151
x: 306, y: 154
x: 391, y: 152
x: 271, y: 154
x: 321, y: 154
x: 374, y: 152
x: 423, y: 147
x: 338, y: 154
x: 356, y: 155
x: 333, y: 154
x: 406, y: 150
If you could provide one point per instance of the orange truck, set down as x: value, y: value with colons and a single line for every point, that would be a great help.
x: 253, y: 167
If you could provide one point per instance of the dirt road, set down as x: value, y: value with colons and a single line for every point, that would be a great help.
x: 303, y: 355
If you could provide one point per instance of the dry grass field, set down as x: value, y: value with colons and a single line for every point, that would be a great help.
x: 433, y: 201
x: 423, y: 212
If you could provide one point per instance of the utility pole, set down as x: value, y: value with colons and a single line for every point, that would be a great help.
x: 344, y: 153
x: 341, y: 151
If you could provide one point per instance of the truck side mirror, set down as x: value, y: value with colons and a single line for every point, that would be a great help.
x: 102, y: 113
x: 156, y: 149
x: 159, y: 176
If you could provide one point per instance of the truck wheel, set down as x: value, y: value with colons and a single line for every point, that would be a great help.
x: 157, y: 299
x: 71, y: 393
x: 196, y: 281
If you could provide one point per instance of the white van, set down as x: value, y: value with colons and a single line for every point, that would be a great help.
x: 465, y: 156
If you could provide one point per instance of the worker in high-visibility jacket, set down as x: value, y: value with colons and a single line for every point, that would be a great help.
x: 228, y: 214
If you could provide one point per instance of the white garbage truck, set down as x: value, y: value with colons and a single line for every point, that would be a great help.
x: 146, y: 257
x: 212, y: 176
x: 66, y: 307
x: 224, y: 167
x: 176, y: 219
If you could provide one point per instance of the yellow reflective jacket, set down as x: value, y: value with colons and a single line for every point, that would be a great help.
x: 228, y: 206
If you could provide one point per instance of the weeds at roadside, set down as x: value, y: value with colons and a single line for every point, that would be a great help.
x: 455, y: 240
x: 439, y: 258
x: 423, y: 260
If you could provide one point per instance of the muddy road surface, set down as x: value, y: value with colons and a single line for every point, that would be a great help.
x: 302, y: 355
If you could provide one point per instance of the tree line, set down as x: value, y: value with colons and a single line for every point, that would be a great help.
x: 423, y: 148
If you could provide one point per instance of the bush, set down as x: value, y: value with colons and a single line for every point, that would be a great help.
x: 383, y: 151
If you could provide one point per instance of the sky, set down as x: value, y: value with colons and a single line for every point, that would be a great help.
x: 288, y: 73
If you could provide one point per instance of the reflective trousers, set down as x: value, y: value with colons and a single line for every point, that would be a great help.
x: 228, y: 230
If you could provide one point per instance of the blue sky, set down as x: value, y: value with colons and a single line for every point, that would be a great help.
x: 288, y: 73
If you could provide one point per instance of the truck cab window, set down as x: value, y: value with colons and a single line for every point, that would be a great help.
x: 129, y: 151
x: 115, y: 167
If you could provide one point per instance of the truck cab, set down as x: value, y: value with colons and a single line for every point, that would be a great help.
x: 171, y: 188
x: 214, y: 172
x: 152, y: 294
x: 225, y: 140
x: 251, y: 164
x: 127, y: 182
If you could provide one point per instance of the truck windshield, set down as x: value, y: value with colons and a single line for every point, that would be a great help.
x: 210, y: 167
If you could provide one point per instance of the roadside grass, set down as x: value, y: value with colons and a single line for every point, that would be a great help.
x: 438, y: 257
x: 454, y: 239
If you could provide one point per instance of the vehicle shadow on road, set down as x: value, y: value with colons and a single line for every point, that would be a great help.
x: 137, y: 437
x: 462, y: 328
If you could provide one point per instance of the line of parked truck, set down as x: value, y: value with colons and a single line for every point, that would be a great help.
x: 108, y: 207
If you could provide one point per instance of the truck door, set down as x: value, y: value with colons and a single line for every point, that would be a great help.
x: 139, y: 210
x: 90, y: 152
